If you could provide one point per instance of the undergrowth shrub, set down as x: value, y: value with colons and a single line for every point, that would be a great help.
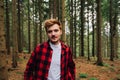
x: 93, y: 78
x: 83, y: 75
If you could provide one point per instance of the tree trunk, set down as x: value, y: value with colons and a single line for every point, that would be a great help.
x: 15, y: 28
x: 88, y: 44
x: 7, y: 27
x: 63, y: 22
x: 35, y: 23
x: 40, y: 19
x: 116, y: 36
x: 75, y: 32
x: 93, y: 32
x: 19, y: 26
x: 3, y: 68
x: 29, y: 33
x: 50, y: 9
x: 115, y: 31
x: 111, y: 32
x: 82, y: 26
x: 55, y: 9
x: 59, y: 9
x: 99, y: 24
x: 71, y: 24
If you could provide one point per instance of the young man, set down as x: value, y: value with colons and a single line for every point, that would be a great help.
x: 51, y: 60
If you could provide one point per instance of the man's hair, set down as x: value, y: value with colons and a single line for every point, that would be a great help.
x: 50, y: 22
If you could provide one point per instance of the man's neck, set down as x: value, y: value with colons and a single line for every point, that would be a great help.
x: 55, y: 43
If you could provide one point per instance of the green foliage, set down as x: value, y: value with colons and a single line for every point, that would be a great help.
x: 83, y: 75
x: 100, y: 64
x: 118, y: 77
x: 25, y: 51
x: 106, y: 64
x: 93, y: 78
x: 112, y: 68
x: 105, y: 9
x: 19, y: 73
x: 20, y: 59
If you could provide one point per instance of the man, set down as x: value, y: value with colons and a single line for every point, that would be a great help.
x: 52, y: 60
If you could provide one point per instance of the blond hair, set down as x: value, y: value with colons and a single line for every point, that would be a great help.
x: 50, y: 22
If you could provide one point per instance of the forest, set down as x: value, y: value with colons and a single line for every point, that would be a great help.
x: 90, y: 27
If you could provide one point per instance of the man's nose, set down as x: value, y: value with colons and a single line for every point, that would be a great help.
x: 53, y: 33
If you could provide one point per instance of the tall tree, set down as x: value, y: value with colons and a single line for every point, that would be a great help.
x: 79, y: 28
x: 63, y: 21
x: 40, y: 18
x: 35, y: 19
x: 3, y: 68
x: 19, y: 25
x: 71, y: 24
x: 59, y: 11
x: 55, y: 9
x: 29, y: 28
x: 113, y: 28
x: 50, y: 9
x: 88, y: 40
x: 93, y: 30
x: 14, y: 33
x: 111, y: 31
x: 7, y: 27
x: 99, y: 25
x: 82, y: 26
x: 75, y: 29
x: 116, y: 33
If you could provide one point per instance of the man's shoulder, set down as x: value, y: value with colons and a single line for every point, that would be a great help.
x: 41, y: 46
x: 64, y: 45
x: 44, y: 44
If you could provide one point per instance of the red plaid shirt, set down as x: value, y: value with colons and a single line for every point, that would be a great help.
x: 39, y: 63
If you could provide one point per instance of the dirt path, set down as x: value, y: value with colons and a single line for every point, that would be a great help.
x: 109, y: 72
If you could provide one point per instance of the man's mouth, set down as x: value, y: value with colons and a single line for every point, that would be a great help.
x: 53, y: 37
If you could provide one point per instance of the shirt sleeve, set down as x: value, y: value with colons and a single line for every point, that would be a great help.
x: 28, y: 73
x: 71, y: 66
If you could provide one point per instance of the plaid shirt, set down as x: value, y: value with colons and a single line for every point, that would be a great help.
x: 39, y: 63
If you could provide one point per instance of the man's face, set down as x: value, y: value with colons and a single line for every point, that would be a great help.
x: 54, y: 33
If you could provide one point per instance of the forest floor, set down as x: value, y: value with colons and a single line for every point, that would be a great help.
x: 85, y: 70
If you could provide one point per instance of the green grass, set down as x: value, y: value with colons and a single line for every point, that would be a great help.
x: 112, y: 68
x: 118, y: 77
x: 83, y: 75
x: 20, y: 59
x: 93, y: 78
x: 19, y: 72
x: 106, y: 64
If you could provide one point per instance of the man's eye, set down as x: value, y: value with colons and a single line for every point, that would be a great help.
x: 56, y: 30
x: 49, y: 31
